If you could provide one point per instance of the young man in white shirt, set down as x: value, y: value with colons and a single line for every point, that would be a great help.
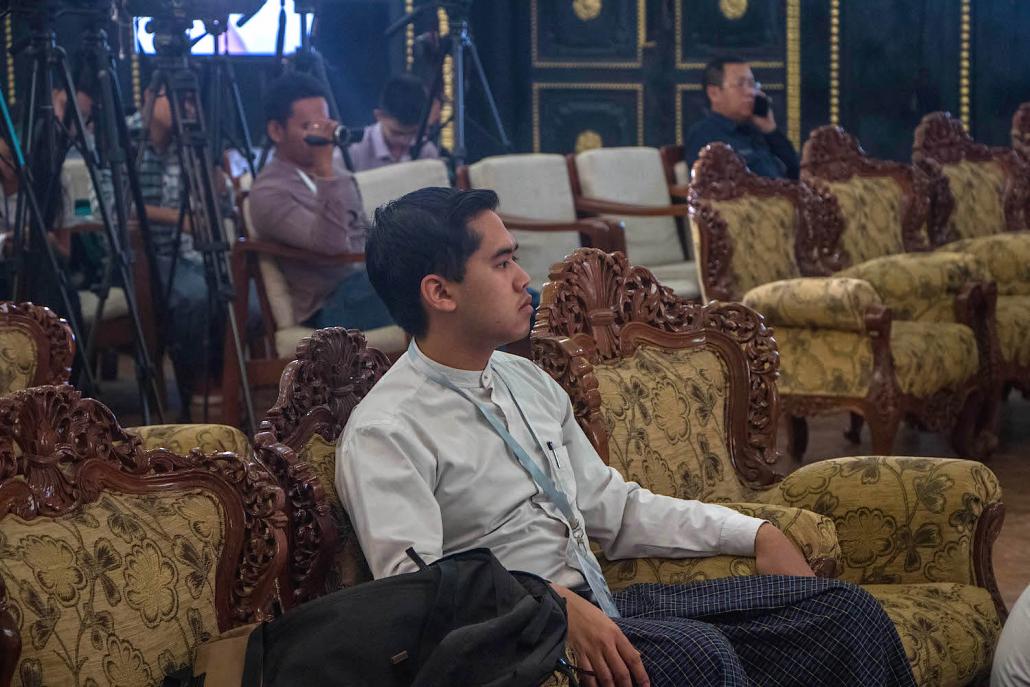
x: 427, y: 461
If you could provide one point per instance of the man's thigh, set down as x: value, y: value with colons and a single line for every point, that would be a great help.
x: 680, y: 651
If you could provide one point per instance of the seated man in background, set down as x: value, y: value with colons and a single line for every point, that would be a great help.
x: 301, y: 198
x: 732, y: 91
x: 460, y: 446
x: 398, y: 116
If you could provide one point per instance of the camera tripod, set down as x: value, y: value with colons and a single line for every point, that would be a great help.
x: 47, y: 144
x: 174, y: 74
x: 454, y: 45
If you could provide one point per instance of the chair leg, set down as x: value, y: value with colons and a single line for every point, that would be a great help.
x: 854, y: 432
x: 975, y: 434
x: 797, y: 437
x: 883, y: 429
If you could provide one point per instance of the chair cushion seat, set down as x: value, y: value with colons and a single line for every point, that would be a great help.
x: 681, y: 277
x: 386, y: 339
x: 930, y: 357
x: 948, y: 630
x: 116, y: 306
x: 1014, y: 329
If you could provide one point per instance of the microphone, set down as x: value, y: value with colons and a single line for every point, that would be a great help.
x: 341, y: 136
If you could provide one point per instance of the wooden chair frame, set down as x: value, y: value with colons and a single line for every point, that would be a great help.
x: 1021, y: 131
x: 59, y: 451
x: 55, y: 344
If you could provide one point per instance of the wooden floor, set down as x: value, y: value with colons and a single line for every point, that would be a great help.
x: 1011, y: 463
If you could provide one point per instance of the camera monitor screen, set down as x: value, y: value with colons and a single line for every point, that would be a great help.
x: 256, y: 37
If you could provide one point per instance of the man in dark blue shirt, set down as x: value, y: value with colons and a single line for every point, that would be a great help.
x: 731, y: 89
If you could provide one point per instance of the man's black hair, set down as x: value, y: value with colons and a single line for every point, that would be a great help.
x: 403, y: 98
x: 288, y: 89
x: 424, y: 232
x: 715, y: 71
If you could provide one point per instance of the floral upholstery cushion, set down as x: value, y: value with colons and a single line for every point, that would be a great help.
x: 978, y: 189
x: 761, y: 233
x: 665, y: 412
x: 931, y: 356
x: 872, y: 209
x: 183, y: 438
x: 1014, y: 329
x: 348, y: 566
x: 949, y: 631
x: 821, y: 362
x: 834, y: 302
x: 18, y: 359
x: 916, y: 285
x: 1006, y: 257
x: 898, y: 519
x: 118, y: 593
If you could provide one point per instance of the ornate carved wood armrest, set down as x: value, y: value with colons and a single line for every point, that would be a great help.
x: 818, y: 302
x: 599, y: 232
x: 278, y: 250
x: 594, y: 206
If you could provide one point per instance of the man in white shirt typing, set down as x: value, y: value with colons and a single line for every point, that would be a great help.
x: 460, y: 446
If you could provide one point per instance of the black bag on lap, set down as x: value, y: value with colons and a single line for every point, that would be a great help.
x: 463, y: 620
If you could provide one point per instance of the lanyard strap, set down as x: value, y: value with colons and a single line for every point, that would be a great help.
x: 589, y: 566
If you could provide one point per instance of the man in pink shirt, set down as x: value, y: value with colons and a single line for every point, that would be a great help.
x: 389, y: 140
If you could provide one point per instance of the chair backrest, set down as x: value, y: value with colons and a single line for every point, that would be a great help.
x: 534, y: 186
x: 678, y: 396
x: 117, y: 562
x: 383, y: 184
x: 884, y: 205
x: 747, y: 230
x: 983, y: 191
x: 333, y: 371
x: 1021, y: 131
x: 276, y: 289
x: 36, y: 347
x: 633, y: 175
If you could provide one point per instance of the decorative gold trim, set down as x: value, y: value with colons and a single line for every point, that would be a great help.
x: 137, y: 81
x: 447, y: 133
x: 682, y: 87
x: 409, y: 36
x: 964, y: 81
x: 835, y: 62
x: 554, y: 86
x: 794, y: 72
x: 757, y: 64
x: 8, y: 42
x: 586, y: 64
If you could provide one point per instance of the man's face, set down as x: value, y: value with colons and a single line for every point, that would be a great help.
x: 397, y: 136
x: 289, y: 137
x: 492, y: 302
x: 735, y: 99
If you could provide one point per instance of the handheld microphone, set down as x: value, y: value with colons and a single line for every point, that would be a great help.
x: 341, y: 136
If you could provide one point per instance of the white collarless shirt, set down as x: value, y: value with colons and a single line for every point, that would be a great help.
x: 418, y: 466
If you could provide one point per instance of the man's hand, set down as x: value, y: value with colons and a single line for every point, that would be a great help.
x: 323, y: 155
x: 766, y: 124
x: 600, y: 646
x: 777, y: 555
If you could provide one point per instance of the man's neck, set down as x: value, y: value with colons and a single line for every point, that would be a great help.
x: 458, y: 354
x: 730, y: 118
x: 307, y: 169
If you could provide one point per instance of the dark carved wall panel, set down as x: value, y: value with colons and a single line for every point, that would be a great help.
x: 568, y: 117
x: 709, y: 28
x: 586, y: 33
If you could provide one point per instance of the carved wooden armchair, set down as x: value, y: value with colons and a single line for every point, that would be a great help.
x: 115, y: 562
x: 883, y: 211
x: 841, y: 348
x: 536, y: 204
x: 982, y: 207
x: 682, y: 398
x: 1021, y: 131
x: 36, y: 347
x: 628, y: 184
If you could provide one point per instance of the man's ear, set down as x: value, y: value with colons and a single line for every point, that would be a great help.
x: 436, y: 294
x: 275, y: 131
x: 709, y: 90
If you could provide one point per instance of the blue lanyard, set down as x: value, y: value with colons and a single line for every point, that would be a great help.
x: 589, y: 566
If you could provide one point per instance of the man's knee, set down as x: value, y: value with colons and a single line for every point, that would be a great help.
x: 694, y: 653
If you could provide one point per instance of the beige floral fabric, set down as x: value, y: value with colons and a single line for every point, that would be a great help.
x: 18, y: 359
x: 182, y: 439
x: 118, y: 593
x: 978, y: 189
x: 761, y: 233
x: 1014, y: 329
x: 665, y: 412
x: 929, y: 357
x: 1006, y: 257
x: 872, y: 208
x: 949, y: 631
x: 823, y: 362
x: 830, y: 302
x: 915, y: 286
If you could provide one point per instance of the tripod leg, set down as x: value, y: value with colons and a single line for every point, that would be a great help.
x: 241, y: 120
x: 459, y: 153
x: 485, y: 84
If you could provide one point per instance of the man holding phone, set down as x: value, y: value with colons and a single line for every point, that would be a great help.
x: 741, y: 116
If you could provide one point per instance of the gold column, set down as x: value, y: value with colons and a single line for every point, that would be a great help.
x: 794, y: 72
x: 409, y: 36
x: 835, y: 62
x: 963, y: 67
x: 137, y: 90
x: 447, y: 135
x: 8, y: 41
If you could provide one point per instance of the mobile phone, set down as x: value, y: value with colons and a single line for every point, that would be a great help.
x: 761, y: 105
